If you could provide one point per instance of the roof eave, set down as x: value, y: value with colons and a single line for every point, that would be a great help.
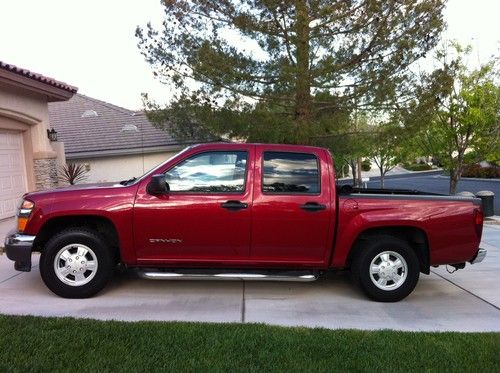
x: 53, y: 93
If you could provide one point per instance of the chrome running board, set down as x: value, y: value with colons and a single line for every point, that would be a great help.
x: 302, y: 276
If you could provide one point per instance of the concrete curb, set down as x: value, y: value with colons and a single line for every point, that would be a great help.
x: 473, y: 178
x: 480, y: 179
x: 492, y: 220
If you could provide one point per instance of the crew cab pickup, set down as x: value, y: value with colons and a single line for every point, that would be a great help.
x: 243, y: 211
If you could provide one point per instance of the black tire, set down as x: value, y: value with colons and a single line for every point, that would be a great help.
x: 98, y: 256
x: 392, y: 291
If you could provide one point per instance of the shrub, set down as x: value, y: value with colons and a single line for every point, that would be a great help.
x: 366, y: 165
x: 475, y: 170
x: 417, y: 167
x: 72, y: 173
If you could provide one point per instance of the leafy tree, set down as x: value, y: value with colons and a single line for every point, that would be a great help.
x: 348, y: 139
x: 268, y: 70
x: 457, y: 110
x: 388, y: 147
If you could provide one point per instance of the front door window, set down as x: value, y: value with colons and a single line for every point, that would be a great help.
x: 210, y: 172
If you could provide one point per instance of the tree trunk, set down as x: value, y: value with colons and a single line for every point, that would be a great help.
x: 456, y: 173
x: 382, y: 178
x: 453, y: 181
x: 358, y: 166
x: 352, y: 163
x: 303, y: 101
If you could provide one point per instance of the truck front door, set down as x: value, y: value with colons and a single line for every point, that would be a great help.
x: 206, y: 215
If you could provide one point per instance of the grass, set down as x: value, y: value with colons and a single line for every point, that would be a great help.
x: 50, y: 344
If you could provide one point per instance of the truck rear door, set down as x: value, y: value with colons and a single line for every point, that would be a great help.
x: 293, y: 215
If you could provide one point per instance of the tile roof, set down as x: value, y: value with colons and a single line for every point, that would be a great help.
x: 104, y: 133
x: 38, y: 77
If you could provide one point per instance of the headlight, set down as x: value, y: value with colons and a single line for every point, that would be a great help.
x: 23, y: 214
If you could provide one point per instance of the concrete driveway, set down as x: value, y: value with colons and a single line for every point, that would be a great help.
x: 468, y: 300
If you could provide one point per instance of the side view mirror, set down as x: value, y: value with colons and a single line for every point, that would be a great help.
x: 158, y: 185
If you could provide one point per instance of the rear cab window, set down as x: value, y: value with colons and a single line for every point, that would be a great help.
x: 290, y: 173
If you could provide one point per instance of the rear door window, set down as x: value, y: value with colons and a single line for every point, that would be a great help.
x: 290, y: 173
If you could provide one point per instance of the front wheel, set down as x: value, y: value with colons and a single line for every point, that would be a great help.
x: 386, y: 268
x: 76, y: 263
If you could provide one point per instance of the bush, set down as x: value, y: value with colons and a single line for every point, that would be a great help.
x: 366, y: 165
x: 417, y: 167
x: 475, y: 170
x: 72, y: 173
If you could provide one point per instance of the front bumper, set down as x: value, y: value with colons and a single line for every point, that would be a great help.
x: 480, y: 255
x: 18, y: 248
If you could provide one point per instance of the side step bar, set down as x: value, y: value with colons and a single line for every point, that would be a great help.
x: 292, y: 276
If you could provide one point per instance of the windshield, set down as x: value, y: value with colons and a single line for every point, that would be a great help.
x: 133, y: 180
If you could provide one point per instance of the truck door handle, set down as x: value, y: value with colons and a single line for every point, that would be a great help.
x: 234, y: 205
x: 313, y: 206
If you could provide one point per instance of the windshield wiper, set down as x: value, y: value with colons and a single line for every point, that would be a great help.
x: 126, y: 182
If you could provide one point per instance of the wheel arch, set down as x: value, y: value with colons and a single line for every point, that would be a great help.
x: 414, y: 236
x: 102, y: 225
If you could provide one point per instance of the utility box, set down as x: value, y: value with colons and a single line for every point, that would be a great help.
x: 488, y: 198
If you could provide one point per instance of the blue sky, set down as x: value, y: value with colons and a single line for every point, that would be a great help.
x: 91, y: 44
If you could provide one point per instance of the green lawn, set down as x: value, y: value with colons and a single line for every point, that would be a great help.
x: 49, y: 344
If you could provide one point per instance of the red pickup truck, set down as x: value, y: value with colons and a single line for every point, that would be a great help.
x: 243, y: 211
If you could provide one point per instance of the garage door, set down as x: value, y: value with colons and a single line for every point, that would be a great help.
x: 12, y: 172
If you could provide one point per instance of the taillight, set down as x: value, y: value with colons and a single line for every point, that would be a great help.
x: 478, y: 222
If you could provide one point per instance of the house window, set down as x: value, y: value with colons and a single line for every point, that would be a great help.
x: 210, y: 172
x: 286, y: 172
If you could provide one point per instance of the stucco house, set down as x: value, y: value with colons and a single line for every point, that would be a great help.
x: 28, y: 159
x: 112, y: 142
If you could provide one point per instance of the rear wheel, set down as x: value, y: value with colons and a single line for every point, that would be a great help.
x: 76, y: 263
x: 386, y: 268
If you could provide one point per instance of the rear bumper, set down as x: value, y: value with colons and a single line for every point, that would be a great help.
x: 479, y: 257
x: 18, y: 248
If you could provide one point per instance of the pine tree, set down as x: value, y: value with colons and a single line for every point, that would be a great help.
x: 269, y: 70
